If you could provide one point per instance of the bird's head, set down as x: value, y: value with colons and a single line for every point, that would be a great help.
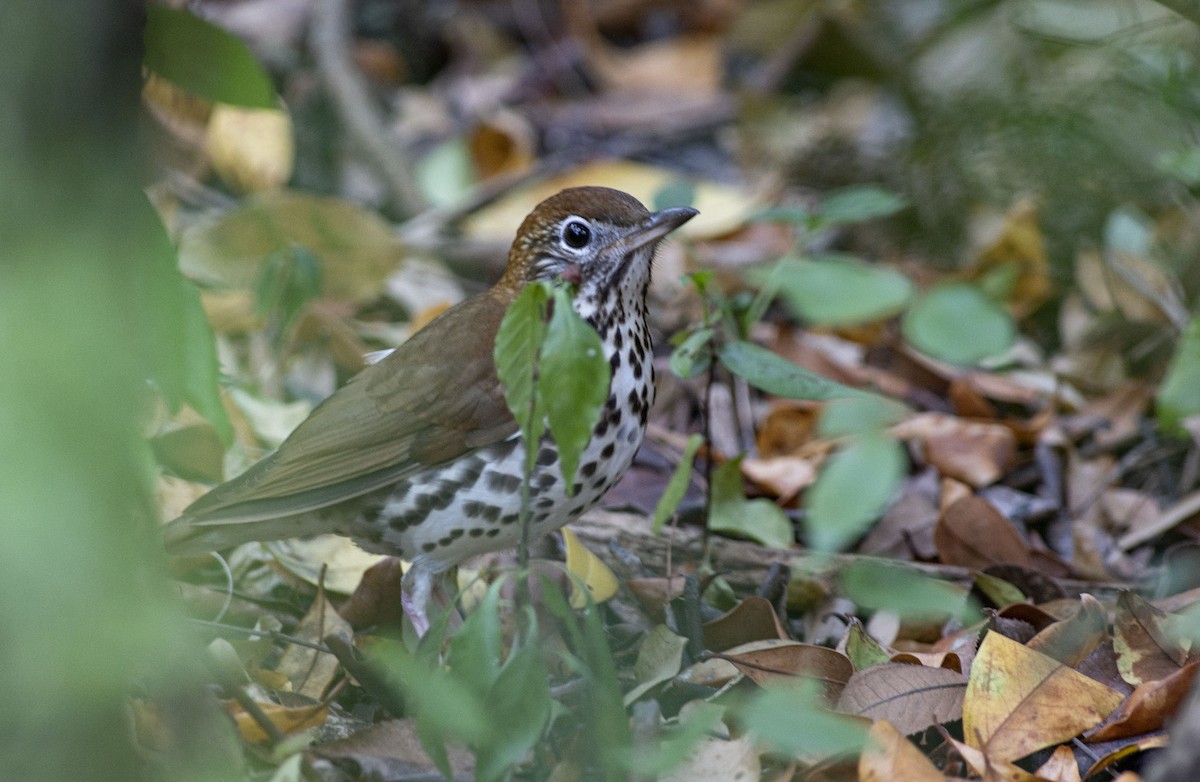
x: 601, y: 240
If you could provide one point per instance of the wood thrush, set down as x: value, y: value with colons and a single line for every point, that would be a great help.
x: 418, y: 456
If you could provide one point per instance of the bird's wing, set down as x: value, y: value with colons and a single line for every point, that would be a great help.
x: 432, y: 399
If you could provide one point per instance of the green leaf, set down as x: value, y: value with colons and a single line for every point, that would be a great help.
x: 1179, y: 394
x: 677, y: 192
x: 693, y: 355
x: 676, y: 487
x: 204, y: 59
x: 446, y: 174
x: 518, y: 344
x: 202, y: 371
x: 290, y: 279
x: 759, y: 520
x: 573, y: 382
x: 859, y: 204
x: 474, y: 652
x: 853, y: 489
x: 659, y: 660
x: 906, y: 593
x: 1128, y: 230
x: 524, y: 690
x: 958, y: 324
x: 840, y: 290
x: 792, y: 721
x: 859, y: 415
x: 176, y: 340
x: 776, y: 375
x: 443, y: 704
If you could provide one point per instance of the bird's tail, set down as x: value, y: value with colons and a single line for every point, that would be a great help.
x: 188, y: 536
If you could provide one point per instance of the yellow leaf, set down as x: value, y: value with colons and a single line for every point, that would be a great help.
x: 1019, y: 701
x: 251, y: 149
x: 594, y: 574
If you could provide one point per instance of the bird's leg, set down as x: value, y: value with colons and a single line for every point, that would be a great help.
x: 415, y: 590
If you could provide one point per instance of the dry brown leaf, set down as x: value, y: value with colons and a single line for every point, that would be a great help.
x: 976, y: 452
x: 1071, y: 640
x: 972, y: 533
x: 344, y: 562
x: 681, y: 64
x: 1061, y: 767
x: 374, y: 602
x: 781, y: 476
x: 1149, y: 706
x: 311, y: 672
x: 948, y: 660
x: 890, y: 757
x: 1108, y: 287
x: 753, y: 619
x: 1186, y: 508
x: 716, y: 759
x: 1019, y: 701
x: 1087, y: 479
x: 782, y: 663
x: 787, y: 427
x: 911, y: 697
x: 906, y: 529
x: 990, y: 768
x: 392, y: 750
x: 1016, y: 242
x: 717, y: 671
x: 968, y: 402
x: 1150, y: 644
x: 504, y: 142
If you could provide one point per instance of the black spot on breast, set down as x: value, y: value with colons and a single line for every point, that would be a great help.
x: 475, y: 531
x: 446, y: 541
x: 545, y: 502
x: 618, y: 338
x: 493, y: 532
x: 546, y: 456
x: 635, y: 403
x: 428, y: 546
x: 455, y: 534
x: 637, y: 371
x: 578, y: 487
x: 614, y: 361
x: 399, y: 491
x: 470, y: 473
x: 545, y: 480
x: 491, y: 513
x: 444, y: 495
x: 507, y: 518
x: 588, y: 469
x: 608, y: 450
x: 398, y: 523
x: 471, y: 509
x: 502, y: 482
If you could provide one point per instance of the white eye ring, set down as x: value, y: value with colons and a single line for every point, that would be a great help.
x: 576, y: 234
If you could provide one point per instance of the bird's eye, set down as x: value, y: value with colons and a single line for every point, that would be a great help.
x: 576, y: 234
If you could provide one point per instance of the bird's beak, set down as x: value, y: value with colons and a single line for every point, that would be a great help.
x: 657, y: 225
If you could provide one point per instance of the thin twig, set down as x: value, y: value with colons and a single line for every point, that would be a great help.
x: 330, y: 39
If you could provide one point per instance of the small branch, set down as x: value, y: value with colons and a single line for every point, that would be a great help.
x: 330, y: 39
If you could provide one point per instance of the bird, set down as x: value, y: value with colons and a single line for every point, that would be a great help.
x: 418, y: 456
